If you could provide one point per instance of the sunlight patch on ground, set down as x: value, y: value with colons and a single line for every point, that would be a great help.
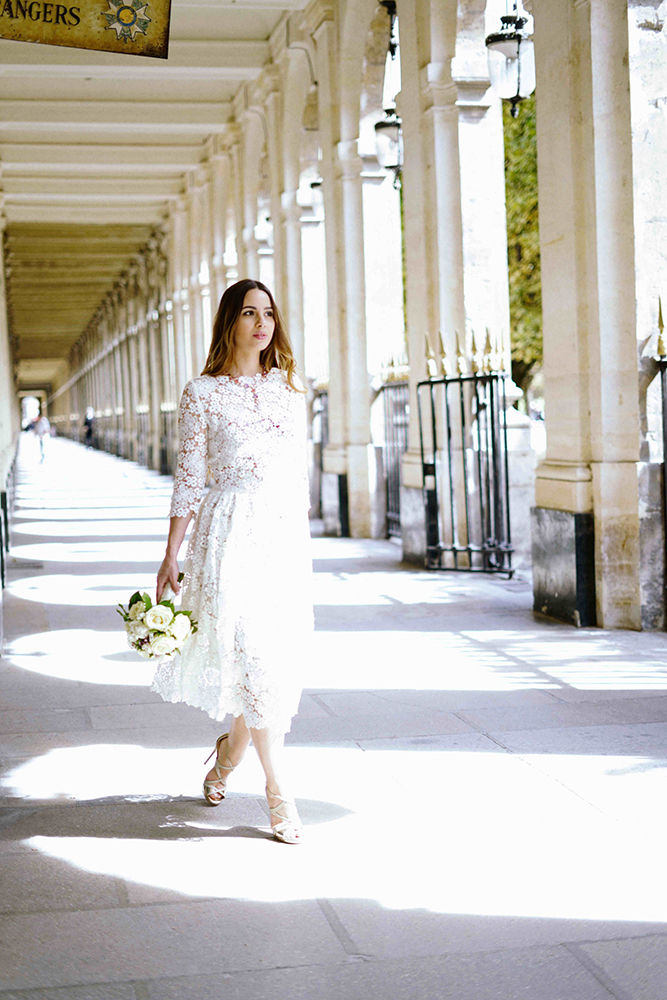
x: 89, y: 591
x: 450, y: 832
x: 95, y: 551
x: 82, y: 655
x: 347, y: 661
x: 139, y: 528
x: 613, y: 671
x: 415, y: 661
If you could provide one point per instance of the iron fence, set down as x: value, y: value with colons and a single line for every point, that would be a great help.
x: 463, y: 438
x: 396, y: 399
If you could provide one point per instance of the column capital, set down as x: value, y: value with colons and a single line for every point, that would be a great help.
x: 317, y: 13
x: 290, y: 206
x: 438, y: 88
x: 348, y: 156
x: 179, y: 205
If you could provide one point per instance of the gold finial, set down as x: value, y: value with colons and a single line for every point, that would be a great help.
x: 445, y: 364
x: 431, y: 363
x: 475, y: 365
x: 662, y: 352
x: 461, y: 363
x: 488, y: 359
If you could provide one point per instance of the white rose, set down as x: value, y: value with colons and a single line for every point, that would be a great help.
x: 180, y: 628
x: 137, y: 630
x: 136, y: 612
x: 159, y: 617
x: 163, y: 645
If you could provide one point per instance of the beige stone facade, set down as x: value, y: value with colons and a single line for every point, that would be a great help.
x: 134, y: 194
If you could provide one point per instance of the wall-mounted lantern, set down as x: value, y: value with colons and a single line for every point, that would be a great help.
x: 511, y: 57
x: 388, y: 132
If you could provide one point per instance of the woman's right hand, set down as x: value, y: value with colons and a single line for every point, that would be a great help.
x: 167, y: 574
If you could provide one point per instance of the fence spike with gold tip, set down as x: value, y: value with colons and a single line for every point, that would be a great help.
x: 445, y: 365
x: 475, y: 365
x: 431, y: 363
x: 461, y: 362
x: 488, y: 360
x: 662, y: 351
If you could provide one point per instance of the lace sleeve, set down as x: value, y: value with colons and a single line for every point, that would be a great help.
x: 190, y: 476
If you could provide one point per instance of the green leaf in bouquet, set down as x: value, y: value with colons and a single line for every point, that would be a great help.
x: 181, y: 577
x: 147, y: 601
x: 170, y: 605
x: 136, y: 597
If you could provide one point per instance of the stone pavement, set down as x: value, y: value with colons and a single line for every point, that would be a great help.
x: 484, y: 794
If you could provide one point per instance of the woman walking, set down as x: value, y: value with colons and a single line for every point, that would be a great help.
x: 248, y: 566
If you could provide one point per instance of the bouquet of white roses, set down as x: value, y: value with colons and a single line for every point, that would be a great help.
x: 156, y: 630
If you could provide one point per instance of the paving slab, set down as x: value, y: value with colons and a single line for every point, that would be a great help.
x: 32, y: 883
x: 370, y: 727
x: 635, y: 967
x: 561, y: 716
x: 97, y: 991
x: 55, y: 720
x: 381, y: 933
x: 539, y: 974
x: 634, y: 739
x: 144, y: 942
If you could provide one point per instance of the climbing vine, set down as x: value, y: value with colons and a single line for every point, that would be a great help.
x: 523, y: 242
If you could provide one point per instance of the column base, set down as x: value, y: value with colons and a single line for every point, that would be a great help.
x: 564, y: 565
x: 652, y: 547
x: 413, y: 526
x: 335, y: 505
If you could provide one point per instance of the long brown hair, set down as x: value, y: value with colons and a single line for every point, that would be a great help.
x: 220, y: 358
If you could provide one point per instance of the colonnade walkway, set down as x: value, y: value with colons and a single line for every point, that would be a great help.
x: 484, y: 794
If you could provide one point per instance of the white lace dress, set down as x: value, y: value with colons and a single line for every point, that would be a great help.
x: 248, y: 564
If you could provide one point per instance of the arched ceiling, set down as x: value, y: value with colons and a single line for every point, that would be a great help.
x: 94, y: 145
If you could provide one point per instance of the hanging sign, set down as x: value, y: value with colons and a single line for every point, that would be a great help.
x: 135, y: 27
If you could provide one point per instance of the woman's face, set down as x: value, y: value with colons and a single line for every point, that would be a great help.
x: 256, y: 324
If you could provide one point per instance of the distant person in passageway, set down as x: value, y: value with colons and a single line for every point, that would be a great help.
x: 89, y: 426
x: 42, y: 429
x: 248, y: 567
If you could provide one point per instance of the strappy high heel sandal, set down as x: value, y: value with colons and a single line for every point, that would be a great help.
x: 213, y: 793
x: 287, y: 831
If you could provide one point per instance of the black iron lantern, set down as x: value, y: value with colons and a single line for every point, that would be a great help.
x: 511, y: 56
x: 388, y: 132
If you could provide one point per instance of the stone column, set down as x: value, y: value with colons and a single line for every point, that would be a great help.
x: 194, y: 260
x: 291, y: 213
x: 282, y: 278
x: 433, y: 232
x: 360, y: 452
x: 9, y: 414
x: 128, y: 425
x: 334, y: 478
x: 178, y: 257
x: 220, y: 195
x: 586, y: 523
x: 205, y: 276
x: 156, y: 360
x: 237, y: 179
x: 250, y: 172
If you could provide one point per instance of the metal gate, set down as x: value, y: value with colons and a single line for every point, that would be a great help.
x: 396, y: 399
x: 463, y: 437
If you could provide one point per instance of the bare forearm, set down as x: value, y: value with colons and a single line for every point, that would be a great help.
x: 168, y: 571
x: 177, y: 528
